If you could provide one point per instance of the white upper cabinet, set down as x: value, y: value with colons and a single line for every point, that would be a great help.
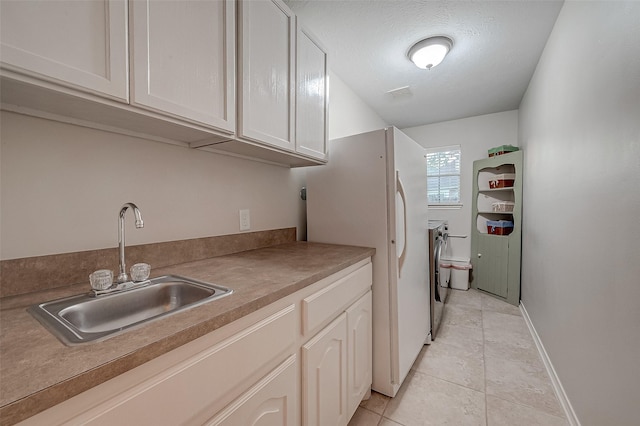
x: 77, y: 44
x: 266, y: 73
x: 183, y: 59
x: 311, y: 96
x: 230, y: 76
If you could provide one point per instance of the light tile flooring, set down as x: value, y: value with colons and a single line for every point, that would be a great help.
x: 482, y: 369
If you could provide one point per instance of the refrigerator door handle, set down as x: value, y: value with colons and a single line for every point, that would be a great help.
x: 403, y: 253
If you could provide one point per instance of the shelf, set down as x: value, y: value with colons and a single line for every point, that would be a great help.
x: 494, y: 235
x: 483, y: 216
x: 509, y: 188
x: 492, y: 212
x: 486, y: 200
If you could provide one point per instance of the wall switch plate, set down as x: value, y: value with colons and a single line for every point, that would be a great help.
x: 245, y: 220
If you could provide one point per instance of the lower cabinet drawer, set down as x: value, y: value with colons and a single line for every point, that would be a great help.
x: 321, y: 307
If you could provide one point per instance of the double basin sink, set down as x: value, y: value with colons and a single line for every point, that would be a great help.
x: 86, y: 318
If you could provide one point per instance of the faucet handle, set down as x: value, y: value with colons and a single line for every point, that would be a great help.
x: 101, y: 279
x: 140, y: 271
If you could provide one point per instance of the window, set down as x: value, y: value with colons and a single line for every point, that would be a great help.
x: 443, y: 176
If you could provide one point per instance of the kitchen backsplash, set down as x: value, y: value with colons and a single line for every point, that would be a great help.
x: 29, y: 274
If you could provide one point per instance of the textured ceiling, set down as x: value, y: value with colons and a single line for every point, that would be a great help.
x: 497, y: 45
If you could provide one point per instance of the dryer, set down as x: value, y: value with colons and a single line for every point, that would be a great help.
x: 440, y: 277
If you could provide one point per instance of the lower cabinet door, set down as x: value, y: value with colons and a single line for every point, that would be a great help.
x: 492, y: 265
x: 271, y: 402
x: 359, y: 352
x: 324, y: 376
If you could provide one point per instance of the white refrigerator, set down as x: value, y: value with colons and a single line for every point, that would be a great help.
x: 373, y: 193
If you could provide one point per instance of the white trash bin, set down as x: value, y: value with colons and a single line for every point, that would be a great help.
x: 459, y: 273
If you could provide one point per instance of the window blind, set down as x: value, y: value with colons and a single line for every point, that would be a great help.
x: 443, y: 176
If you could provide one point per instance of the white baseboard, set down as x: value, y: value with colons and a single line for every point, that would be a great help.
x: 555, y: 380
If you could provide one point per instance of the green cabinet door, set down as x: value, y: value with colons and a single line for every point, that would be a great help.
x: 492, y: 264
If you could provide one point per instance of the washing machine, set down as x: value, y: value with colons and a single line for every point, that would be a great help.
x: 439, y: 277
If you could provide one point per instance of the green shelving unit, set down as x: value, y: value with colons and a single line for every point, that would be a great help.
x: 496, y: 258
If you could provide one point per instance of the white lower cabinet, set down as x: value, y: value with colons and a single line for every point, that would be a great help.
x: 271, y: 402
x: 305, y: 359
x: 337, y: 367
x: 190, y: 384
x: 359, y: 356
x: 336, y: 360
x: 324, y: 364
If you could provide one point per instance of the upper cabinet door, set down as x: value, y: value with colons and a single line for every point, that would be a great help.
x: 311, y: 96
x: 267, y: 79
x: 183, y: 59
x: 77, y: 44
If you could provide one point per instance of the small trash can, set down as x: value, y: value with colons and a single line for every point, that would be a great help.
x: 459, y: 273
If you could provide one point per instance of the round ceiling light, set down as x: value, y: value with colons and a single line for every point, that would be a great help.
x: 429, y: 52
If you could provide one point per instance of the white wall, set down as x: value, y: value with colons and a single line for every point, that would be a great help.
x: 62, y: 186
x: 348, y: 114
x: 580, y: 130
x: 475, y: 136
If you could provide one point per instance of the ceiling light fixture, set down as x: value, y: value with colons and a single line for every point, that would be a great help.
x: 429, y: 52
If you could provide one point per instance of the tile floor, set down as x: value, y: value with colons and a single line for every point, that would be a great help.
x: 483, y: 369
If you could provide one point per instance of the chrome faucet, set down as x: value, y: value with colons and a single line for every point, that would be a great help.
x: 122, y: 276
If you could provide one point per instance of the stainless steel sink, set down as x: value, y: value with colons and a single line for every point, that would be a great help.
x: 87, y: 318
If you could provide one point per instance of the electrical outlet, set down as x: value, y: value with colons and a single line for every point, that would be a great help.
x: 245, y: 220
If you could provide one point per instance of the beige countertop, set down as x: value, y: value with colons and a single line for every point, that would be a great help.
x: 37, y: 371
